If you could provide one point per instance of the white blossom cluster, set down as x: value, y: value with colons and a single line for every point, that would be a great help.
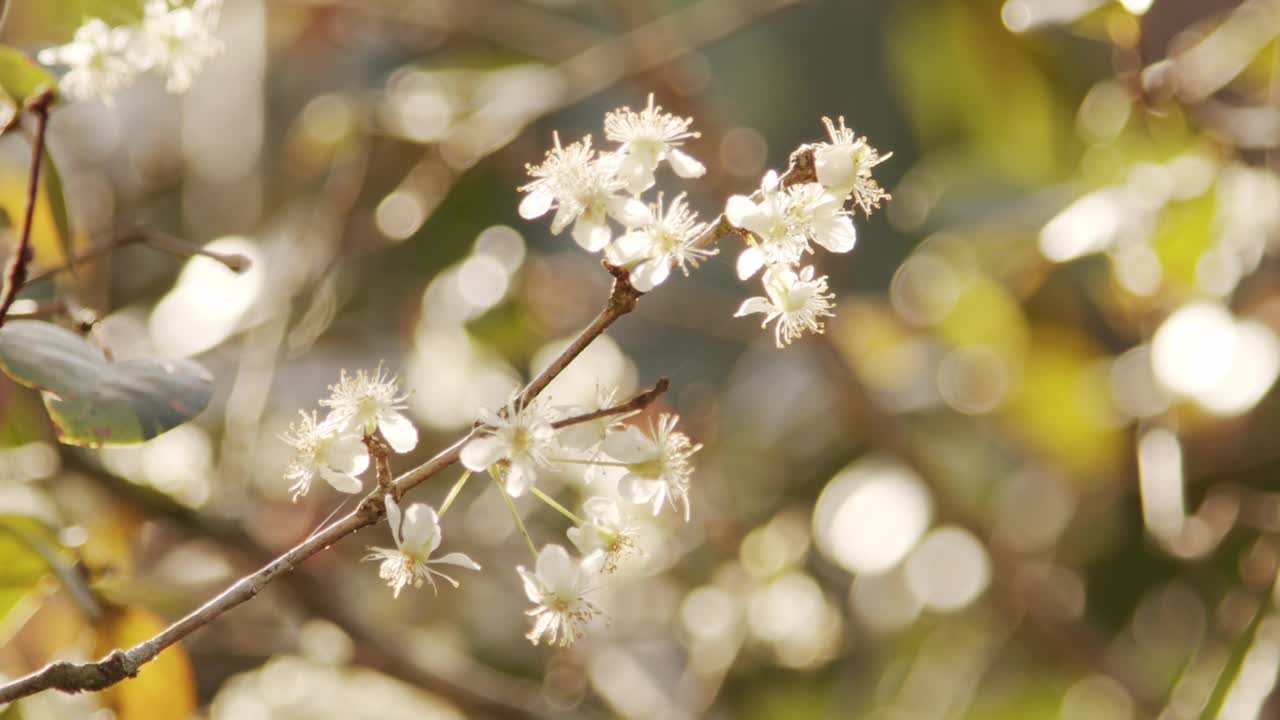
x: 783, y: 224
x: 525, y: 439
x: 334, y: 448
x: 514, y: 445
x: 588, y: 188
x: 173, y: 39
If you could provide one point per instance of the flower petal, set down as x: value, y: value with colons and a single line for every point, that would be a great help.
x: 684, y: 165
x: 535, y: 204
x: 738, y: 208
x: 838, y: 235
x: 421, y: 530
x: 749, y: 262
x: 650, y: 274
x: 629, y: 446
x: 482, y: 452
x: 629, y: 211
x: 400, y: 433
x: 340, y: 481
x: 520, y: 475
x: 638, y: 489
x: 592, y: 235
x: 556, y: 570
x: 393, y: 518
x: 755, y: 305
x: 459, y: 559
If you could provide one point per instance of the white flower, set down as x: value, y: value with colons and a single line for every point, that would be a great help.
x: 417, y: 535
x: 604, y: 530
x: 587, y: 436
x: 844, y: 166
x: 649, y: 137
x: 658, y: 467
x: 367, y: 402
x: 796, y: 301
x: 97, y: 61
x: 521, y: 438
x: 177, y: 41
x: 584, y: 191
x: 322, y: 448
x: 557, y: 589
x: 666, y: 240
x: 785, y: 221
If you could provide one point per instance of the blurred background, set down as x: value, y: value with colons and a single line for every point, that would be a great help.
x: 1030, y: 471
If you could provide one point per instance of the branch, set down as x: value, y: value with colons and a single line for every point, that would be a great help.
x: 152, y: 238
x: 15, y: 275
x: 639, y: 402
x: 118, y: 665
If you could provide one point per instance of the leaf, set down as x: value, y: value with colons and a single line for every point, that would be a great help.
x: 20, y: 77
x: 21, y: 564
x: 95, y: 402
x: 56, y: 203
x: 164, y: 688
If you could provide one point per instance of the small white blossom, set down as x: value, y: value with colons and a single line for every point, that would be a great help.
x: 557, y: 588
x: 796, y: 300
x: 657, y: 464
x: 177, y: 40
x: 604, y: 530
x: 417, y: 535
x: 785, y: 221
x: 366, y: 402
x: 648, y: 137
x: 324, y: 449
x: 98, y: 62
x: 666, y: 240
x: 584, y: 190
x: 587, y: 436
x: 844, y: 166
x: 521, y: 439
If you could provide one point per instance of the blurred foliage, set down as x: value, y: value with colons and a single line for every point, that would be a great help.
x: 1030, y: 471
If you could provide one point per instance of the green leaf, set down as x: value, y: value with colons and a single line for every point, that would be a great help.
x: 20, y: 77
x: 96, y: 402
x: 21, y: 563
x: 56, y: 203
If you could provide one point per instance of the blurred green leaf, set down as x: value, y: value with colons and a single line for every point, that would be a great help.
x: 96, y: 402
x: 1184, y: 233
x: 21, y: 563
x: 20, y: 77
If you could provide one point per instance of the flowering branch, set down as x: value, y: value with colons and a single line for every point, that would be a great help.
x: 16, y: 274
x: 118, y: 665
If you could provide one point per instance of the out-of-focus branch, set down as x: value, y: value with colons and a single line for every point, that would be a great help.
x: 152, y: 238
x: 15, y: 275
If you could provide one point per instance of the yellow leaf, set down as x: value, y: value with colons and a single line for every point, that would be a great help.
x: 164, y: 688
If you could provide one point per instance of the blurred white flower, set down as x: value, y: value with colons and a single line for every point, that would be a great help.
x: 604, y: 530
x: 367, y: 402
x: 520, y: 438
x: 666, y: 240
x: 557, y: 588
x: 796, y: 300
x: 648, y: 137
x: 324, y: 449
x: 587, y: 436
x: 176, y: 40
x: 417, y: 535
x: 98, y: 62
x: 785, y: 221
x: 844, y: 166
x: 657, y: 464
x: 584, y: 190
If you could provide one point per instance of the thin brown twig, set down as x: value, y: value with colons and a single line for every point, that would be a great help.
x: 15, y: 275
x: 121, y: 664
x: 152, y: 238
